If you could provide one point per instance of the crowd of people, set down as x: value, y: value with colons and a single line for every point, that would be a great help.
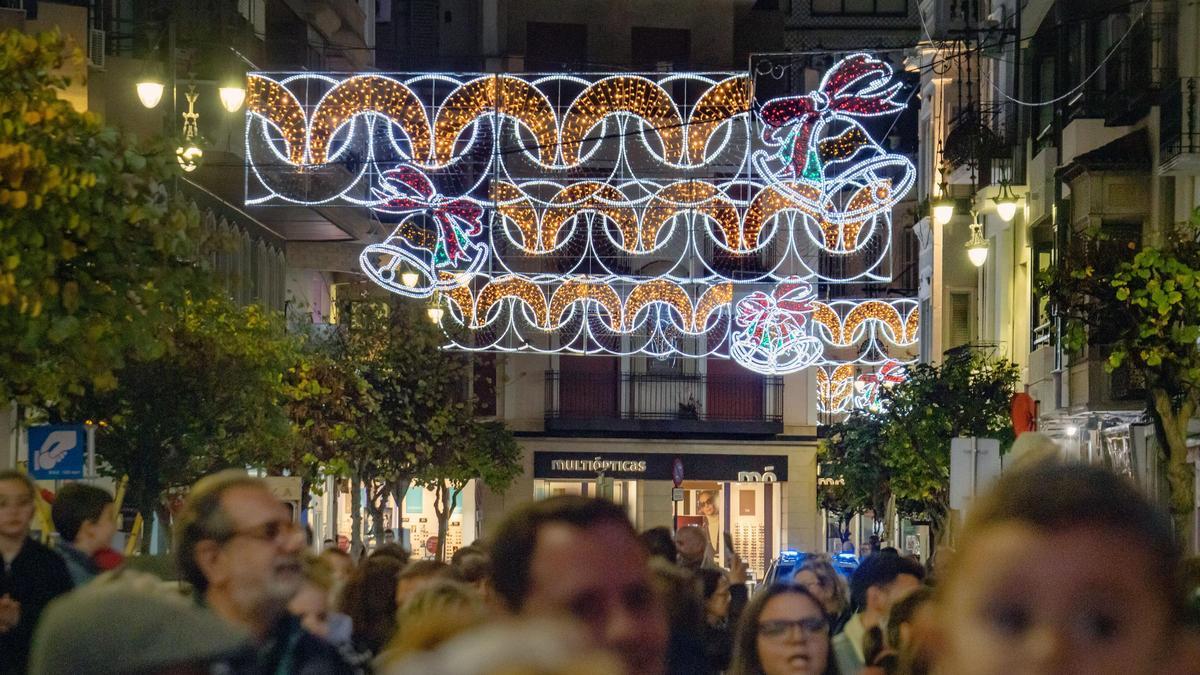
x: 1062, y: 568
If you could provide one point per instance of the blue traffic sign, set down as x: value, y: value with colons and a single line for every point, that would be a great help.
x: 57, y: 451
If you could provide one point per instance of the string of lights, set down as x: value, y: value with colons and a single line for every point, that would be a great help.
x: 660, y: 214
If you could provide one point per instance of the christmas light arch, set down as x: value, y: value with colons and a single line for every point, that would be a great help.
x: 661, y: 213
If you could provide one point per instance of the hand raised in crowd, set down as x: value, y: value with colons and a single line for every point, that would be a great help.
x: 738, y: 570
x: 10, y: 613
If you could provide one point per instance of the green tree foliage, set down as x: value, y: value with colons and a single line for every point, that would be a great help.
x: 94, y: 251
x: 215, y: 399
x: 1148, y: 311
x: 475, y: 450
x: 903, y: 451
x: 851, y: 457
x: 968, y: 394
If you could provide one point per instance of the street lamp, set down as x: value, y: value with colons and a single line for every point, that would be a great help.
x: 1006, y: 202
x: 409, y: 278
x: 434, y: 311
x: 232, y: 96
x: 150, y: 90
x: 977, y: 245
x: 943, y: 205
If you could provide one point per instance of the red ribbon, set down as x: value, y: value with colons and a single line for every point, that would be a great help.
x: 856, y: 86
x: 448, y: 213
x: 781, y: 312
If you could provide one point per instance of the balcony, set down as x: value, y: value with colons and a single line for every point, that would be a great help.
x: 638, y: 403
x: 1179, y: 140
x: 1138, y: 71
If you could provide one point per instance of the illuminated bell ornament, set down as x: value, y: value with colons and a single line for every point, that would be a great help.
x: 773, y: 339
x: 189, y: 154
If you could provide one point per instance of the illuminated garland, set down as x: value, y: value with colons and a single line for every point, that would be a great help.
x: 663, y: 214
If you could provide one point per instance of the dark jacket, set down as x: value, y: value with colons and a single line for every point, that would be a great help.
x: 291, y: 649
x: 35, y: 577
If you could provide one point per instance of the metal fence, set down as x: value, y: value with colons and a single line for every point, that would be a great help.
x: 654, y: 396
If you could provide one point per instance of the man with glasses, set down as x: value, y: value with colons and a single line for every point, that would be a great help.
x: 31, y: 575
x: 238, y: 547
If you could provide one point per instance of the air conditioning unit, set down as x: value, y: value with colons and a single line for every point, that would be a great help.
x: 96, y: 47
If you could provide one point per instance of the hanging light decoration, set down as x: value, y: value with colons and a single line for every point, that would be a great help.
x: 150, y: 86
x: 977, y: 245
x: 409, y: 278
x: 189, y: 154
x: 434, y: 311
x: 1006, y: 202
x: 233, y: 95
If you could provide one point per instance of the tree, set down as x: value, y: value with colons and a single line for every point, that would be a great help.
x: 484, y: 451
x: 94, y: 251
x: 851, y: 454
x: 418, y: 387
x: 215, y: 399
x: 1147, y: 310
x: 967, y: 394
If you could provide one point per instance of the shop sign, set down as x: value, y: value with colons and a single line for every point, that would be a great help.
x: 638, y: 466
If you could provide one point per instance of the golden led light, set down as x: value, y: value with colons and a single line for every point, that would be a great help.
x: 502, y: 206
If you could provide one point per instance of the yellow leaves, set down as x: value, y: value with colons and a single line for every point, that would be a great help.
x: 32, y: 117
x: 70, y: 296
x: 68, y: 249
x: 12, y: 261
x: 17, y: 199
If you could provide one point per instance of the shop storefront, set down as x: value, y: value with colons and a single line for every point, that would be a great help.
x: 739, y: 495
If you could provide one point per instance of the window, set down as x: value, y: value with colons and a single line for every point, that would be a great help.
x: 860, y: 7
x: 652, y: 46
x: 961, y: 325
x: 555, y: 46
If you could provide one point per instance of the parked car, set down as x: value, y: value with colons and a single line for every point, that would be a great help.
x: 783, y: 569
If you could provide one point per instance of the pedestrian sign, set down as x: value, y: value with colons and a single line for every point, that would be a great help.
x: 57, y: 451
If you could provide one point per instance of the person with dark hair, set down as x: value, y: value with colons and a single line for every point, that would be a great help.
x: 659, y: 542
x: 680, y: 594
x: 581, y: 557
x: 369, y: 599
x: 879, y: 581
x: 718, y: 634
x: 32, y: 575
x: 84, y: 518
x: 784, y: 631
x: 236, y: 545
x: 1062, y: 568
x: 394, y: 550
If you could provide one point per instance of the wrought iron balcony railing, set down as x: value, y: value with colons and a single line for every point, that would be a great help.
x: 1140, y: 68
x: 662, y: 397
x: 1179, y: 140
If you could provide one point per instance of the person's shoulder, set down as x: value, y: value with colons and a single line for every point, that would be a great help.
x: 314, y: 656
x: 45, y: 557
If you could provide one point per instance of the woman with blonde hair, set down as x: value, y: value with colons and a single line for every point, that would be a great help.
x: 432, y: 615
x: 819, y: 576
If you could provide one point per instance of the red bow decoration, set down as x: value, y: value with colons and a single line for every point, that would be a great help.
x: 776, y: 317
x: 858, y: 85
x: 457, y: 219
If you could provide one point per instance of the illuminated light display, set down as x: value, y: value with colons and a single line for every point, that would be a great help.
x: 773, y: 338
x: 659, y: 213
x: 367, y: 94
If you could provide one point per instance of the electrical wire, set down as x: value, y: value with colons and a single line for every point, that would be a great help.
x: 1073, y: 90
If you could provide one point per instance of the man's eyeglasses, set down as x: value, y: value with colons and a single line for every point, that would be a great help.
x: 813, y: 625
x: 271, y: 531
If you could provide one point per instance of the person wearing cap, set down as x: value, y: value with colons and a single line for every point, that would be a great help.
x: 238, y: 547
x: 31, y: 575
x: 131, y: 624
